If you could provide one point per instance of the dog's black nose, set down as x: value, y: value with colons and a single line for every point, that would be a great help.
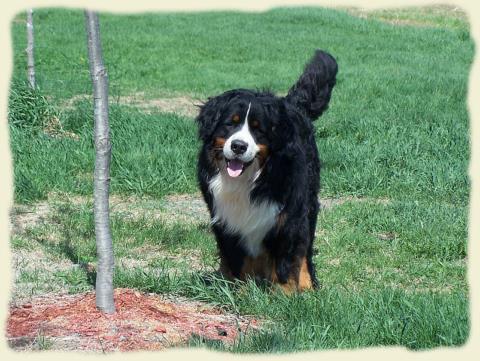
x: 239, y: 146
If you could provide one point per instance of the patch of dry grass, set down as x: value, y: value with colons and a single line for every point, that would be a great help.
x: 426, y: 16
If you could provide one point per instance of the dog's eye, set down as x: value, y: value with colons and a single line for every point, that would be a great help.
x: 236, y: 118
x: 255, y: 123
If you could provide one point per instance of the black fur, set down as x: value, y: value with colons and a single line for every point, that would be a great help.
x: 291, y: 171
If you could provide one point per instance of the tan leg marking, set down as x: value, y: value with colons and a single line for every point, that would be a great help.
x: 248, y: 268
x: 258, y: 267
x: 297, y: 281
x: 263, y: 267
x: 304, y: 279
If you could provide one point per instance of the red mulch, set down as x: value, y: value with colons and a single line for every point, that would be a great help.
x: 141, y: 322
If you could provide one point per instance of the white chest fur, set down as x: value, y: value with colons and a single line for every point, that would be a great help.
x: 233, y: 208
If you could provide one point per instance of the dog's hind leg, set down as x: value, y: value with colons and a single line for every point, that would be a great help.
x: 312, y: 226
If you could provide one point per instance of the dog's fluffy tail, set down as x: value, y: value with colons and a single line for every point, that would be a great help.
x: 312, y: 91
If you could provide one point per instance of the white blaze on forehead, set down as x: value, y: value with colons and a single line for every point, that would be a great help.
x: 248, y: 111
x: 244, y: 135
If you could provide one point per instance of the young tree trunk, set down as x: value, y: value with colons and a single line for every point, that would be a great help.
x: 105, y: 262
x: 30, y: 47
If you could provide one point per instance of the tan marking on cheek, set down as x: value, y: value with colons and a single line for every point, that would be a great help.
x: 215, y: 154
x: 263, y: 153
x: 219, y: 142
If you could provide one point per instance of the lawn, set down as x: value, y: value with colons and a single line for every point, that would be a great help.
x: 391, y: 242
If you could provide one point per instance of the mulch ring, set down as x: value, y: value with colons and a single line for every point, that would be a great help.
x: 141, y: 322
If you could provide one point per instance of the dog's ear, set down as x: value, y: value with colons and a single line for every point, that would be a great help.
x: 211, y: 114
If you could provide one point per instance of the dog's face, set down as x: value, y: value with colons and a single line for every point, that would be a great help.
x: 241, y: 137
x: 240, y: 129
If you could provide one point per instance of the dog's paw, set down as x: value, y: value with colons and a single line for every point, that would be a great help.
x: 283, y: 270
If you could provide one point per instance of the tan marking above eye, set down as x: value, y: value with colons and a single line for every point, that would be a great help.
x: 236, y: 118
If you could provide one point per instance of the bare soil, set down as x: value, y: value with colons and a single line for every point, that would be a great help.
x: 450, y: 11
x: 183, y: 105
x: 186, y: 208
x: 141, y: 322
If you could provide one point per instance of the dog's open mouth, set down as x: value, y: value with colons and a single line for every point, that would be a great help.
x: 235, y: 167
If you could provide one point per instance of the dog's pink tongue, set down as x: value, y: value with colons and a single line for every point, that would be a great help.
x: 234, y: 168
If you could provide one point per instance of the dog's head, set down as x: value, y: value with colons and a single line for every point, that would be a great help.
x: 241, y: 128
x: 244, y: 127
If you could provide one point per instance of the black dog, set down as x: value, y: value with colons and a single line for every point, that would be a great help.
x: 259, y: 173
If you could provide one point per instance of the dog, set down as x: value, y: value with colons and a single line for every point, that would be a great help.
x: 259, y: 173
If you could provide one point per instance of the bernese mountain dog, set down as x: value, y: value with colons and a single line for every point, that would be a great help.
x: 259, y: 173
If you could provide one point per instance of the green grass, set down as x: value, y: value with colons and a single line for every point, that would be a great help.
x: 155, y: 154
x: 29, y: 109
x: 374, y: 291
x: 391, y: 261
x: 163, y: 54
x: 152, y: 154
x: 397, y: 123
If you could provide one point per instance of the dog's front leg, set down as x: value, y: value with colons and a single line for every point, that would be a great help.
x: 232, y: 255
x: 290, y: 267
